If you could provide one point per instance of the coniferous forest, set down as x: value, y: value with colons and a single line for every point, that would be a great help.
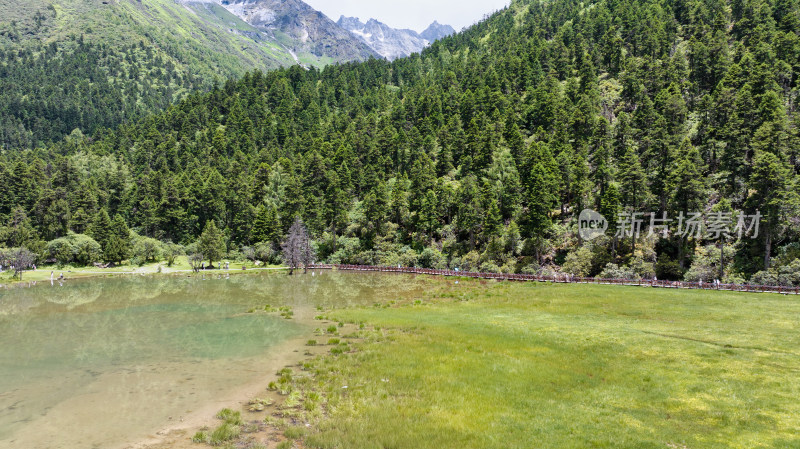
x: 480, y: 153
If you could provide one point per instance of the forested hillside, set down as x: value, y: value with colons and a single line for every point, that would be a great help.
x: 88, y: 64
x: 480, y: 153
x: 75, y: 85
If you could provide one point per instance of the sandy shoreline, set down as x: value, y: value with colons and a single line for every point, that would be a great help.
x: 178, y: 432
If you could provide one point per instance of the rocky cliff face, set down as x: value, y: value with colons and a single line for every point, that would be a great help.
x: 301, y: 29
x: 392, y: 43
x: 385, y: 40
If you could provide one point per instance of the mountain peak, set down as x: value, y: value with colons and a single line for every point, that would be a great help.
x: 348, y: 22
x: 436, y: 31
x: 388, y: 42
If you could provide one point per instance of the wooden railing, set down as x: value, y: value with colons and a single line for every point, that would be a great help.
x: 565, y: 278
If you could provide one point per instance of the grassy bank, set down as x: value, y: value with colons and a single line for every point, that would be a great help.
x: 181, y: 265
x: 506, y: 365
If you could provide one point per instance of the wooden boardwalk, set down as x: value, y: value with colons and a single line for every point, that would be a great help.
x: 565, y: 279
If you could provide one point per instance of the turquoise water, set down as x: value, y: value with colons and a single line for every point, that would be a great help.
x: 100, y: 362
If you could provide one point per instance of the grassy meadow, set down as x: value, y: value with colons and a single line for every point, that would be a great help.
x: 513, y: 365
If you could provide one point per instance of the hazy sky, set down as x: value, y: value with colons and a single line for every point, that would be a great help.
x: 413, y: 14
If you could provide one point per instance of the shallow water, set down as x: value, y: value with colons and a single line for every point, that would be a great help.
x: 101, y: 362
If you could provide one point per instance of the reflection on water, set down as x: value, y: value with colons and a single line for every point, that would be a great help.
x: 151, y: 346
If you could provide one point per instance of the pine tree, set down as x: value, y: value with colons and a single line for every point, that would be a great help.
x: 688, y: 189
x: 101, y: 231
x: 20, y: 232
x: 469, y: 213
x: 541, y: 186
x: 211, y: 243
x: 773, y: 195
x: 119, y: 244
x: 266, y: 227
x: 633, y: 183
x: 610, y: 206
x: 493, y: 221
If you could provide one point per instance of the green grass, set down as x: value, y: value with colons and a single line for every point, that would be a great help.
x: 506, y: 365
x: 181, y: 265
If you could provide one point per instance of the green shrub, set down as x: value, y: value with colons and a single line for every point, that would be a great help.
x: 146, y: 249
x: 79, y: 249
x: 579, y: 261
x: 614, y: 271
x: 432, y: 258
x: 171, y: 252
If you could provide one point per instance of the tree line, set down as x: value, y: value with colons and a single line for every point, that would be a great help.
x: 479, y: 153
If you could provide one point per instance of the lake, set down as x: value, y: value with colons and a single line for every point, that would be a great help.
x: 105, y: 361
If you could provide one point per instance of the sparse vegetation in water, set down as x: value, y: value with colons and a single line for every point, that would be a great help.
x: 230, y: 416
x: 275, y: 422
x: 200, y: 437
x: 225, y: 432
x: 258, y: 404
x: 292, y: 400
x: 250, y: 427
x: 319, y: 317
x: 286, y: 312
x: 311, y: 343
x: 332, y: 330
x: 284, y: 384
x: 286, y: 444
x: 333, y: 341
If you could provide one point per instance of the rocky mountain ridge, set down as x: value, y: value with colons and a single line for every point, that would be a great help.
x: 392, y: 43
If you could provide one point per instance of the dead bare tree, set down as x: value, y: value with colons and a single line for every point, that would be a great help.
x: 195, y: 260
x: 296, y: 248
